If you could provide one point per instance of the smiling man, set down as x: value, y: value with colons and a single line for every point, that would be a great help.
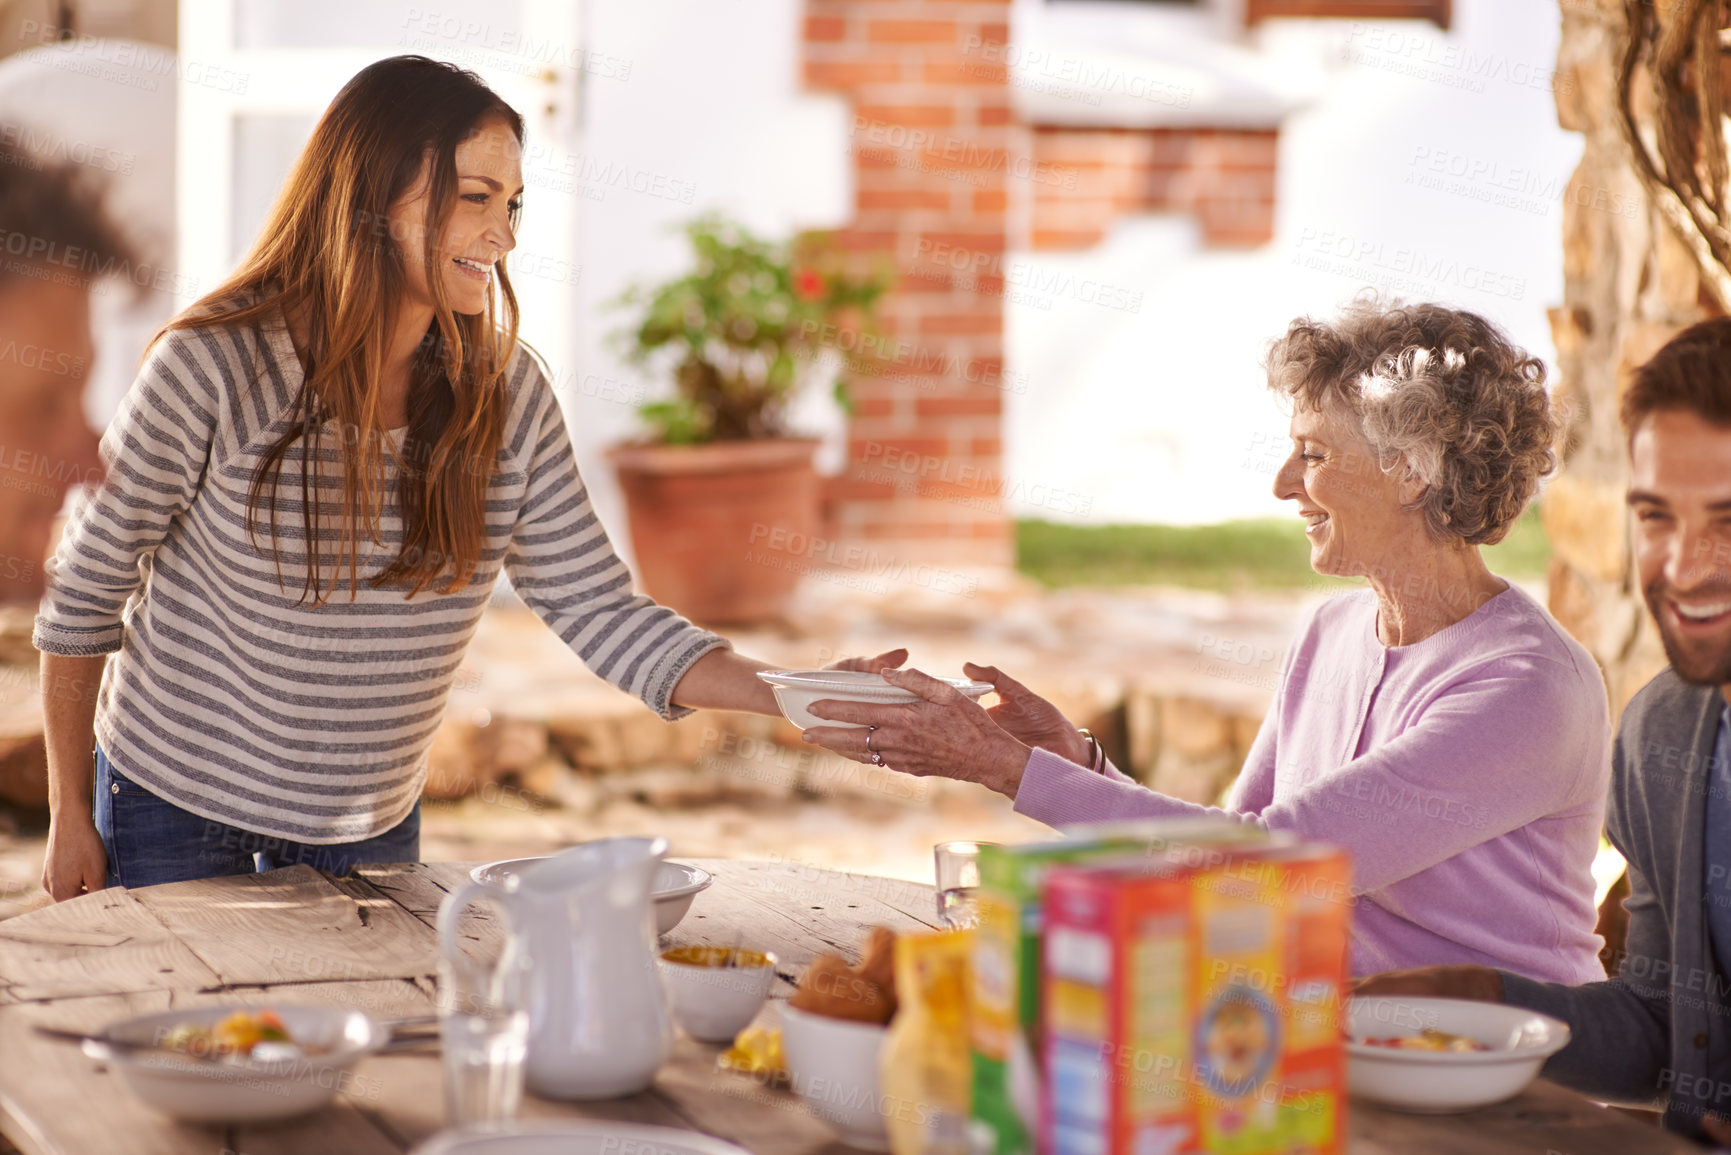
x: 1658, y: 1034
x: 53, y: 242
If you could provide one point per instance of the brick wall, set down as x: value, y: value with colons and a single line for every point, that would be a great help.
x: 1436, y: 11
x: 1223, y: 177
x: 947, y: 182
x: 941, y: 172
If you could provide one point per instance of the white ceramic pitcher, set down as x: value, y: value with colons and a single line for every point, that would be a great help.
x: 598, y: 1020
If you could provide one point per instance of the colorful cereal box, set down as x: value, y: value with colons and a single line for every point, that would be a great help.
x: 1191, y: 1003
x: 1005, y: 1002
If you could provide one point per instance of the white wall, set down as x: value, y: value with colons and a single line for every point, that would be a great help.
x: 710, y: 115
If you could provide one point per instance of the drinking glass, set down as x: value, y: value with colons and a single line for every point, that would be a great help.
x: 958, y: 870
x: 484, y: 1036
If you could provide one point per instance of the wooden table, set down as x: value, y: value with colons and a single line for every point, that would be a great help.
x: 297, y: 935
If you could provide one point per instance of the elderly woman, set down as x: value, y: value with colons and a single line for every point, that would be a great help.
x: 1439, y: 724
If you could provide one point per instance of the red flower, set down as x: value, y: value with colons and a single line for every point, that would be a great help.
x: 808, y: 284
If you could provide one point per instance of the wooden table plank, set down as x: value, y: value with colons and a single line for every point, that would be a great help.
x: 340, y: 1129
x: 739, y: 1108
x: 843, y: 902
x: 724, y: 916
x: 793, y: 911
x: 403, y: 1097
x: 417, y: 887
x: 1544, y: 1119
x: 102, y: 943
x: 367, y: 942
x: 292, y: 925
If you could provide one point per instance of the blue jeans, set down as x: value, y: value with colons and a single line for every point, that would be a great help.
x: 150, y: 840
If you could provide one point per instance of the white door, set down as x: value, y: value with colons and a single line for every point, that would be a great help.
x: 256, y: 75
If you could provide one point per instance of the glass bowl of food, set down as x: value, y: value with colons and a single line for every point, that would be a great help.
x: 1438, y: 1056
x: 227, y: 1064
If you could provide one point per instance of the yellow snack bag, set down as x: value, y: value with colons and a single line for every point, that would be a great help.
x: 926, y: 1070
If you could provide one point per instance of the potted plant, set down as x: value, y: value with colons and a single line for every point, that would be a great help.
x: 719, y: 478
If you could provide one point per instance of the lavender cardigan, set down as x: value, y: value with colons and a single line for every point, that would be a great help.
x: 1466, y: 773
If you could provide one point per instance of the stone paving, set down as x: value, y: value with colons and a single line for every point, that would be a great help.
x: 537, y: 753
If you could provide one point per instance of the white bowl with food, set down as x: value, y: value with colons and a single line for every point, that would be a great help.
x: 577, y: 1137
x: 796, y: 690
x: 1437, y: 1056
x: 676, y: 884
x: 229, y: 1064
x: 715, y: 991
x: 833, y: 1065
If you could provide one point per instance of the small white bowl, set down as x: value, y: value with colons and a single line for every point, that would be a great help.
x: 1441, y: 1082
x: 833, y: 1064
x: 796, y: 690
x: 239, y: 1091
x: 676, y: 884
x: 713, y: 1001
x: 577, y: 1137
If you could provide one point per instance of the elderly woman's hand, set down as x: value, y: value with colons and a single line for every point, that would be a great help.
x: 945, y: 733
x: 1030, y: 718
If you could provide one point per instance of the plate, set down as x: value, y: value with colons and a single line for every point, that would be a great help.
x: 579, y: 1138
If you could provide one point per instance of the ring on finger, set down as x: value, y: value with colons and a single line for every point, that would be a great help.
x: 877, y: 758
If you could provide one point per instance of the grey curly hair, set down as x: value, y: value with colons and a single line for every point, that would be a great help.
x: 1442, y: 395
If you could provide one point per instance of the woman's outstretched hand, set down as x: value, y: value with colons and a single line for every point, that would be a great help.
x: 890, y: 660
x: 945, y: 734
x: 1030, y: 718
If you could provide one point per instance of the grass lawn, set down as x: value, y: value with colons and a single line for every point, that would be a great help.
x: 1269, y: 554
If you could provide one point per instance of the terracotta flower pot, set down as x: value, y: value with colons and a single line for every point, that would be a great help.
x: 719, y: 529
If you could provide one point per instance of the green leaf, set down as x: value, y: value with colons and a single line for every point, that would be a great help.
x: 843, y: 395
x: 738, y: 337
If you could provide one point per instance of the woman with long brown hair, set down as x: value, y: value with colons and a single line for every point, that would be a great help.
x: 322, y: 469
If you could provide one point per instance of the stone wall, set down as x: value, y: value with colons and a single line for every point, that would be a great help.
x: 1629, y: 285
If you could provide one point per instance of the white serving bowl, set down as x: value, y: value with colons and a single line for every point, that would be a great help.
x: 239, y: 1091
x: 1439, y: 1082
x: 711, y: 1000
x: 676, y: 884
x: 833, y: 1064
x: 577, y: 1137
x: 796, y: 690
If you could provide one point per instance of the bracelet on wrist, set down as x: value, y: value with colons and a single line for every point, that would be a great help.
x: 1096, y: 756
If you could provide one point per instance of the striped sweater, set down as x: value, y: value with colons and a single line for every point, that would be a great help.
x: 307, y: 722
